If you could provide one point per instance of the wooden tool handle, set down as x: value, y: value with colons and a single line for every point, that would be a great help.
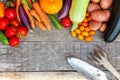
x: 41, y: 76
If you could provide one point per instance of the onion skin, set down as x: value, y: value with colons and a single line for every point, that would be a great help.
x: 65, y: 9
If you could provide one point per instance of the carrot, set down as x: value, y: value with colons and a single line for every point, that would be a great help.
x: 34, y: 14
x: 44, y: 18
x: 29, y: 16
x: 29, y: 3
x: 2, y: 10
x: 40, y: 25
x: 17, y: 6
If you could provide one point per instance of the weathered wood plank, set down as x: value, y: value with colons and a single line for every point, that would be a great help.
x: 56, y: 35
x: 60, y: 35
x: 50, y: 56
x: 50, y: 50
x: 41, y: 76
x: 46, y: 76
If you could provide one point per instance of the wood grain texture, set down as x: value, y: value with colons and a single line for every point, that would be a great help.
x: 51, y: 56
x: 46, y: 76
x: 41, y: 76
x: 49, y: 51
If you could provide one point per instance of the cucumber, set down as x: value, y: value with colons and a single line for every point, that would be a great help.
x: 55, y: 21
x: 113, y: 29
x: 3, y: 38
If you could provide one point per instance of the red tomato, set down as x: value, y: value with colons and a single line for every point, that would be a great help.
x: 11, y: 31
x: 14, y: 41
x: 10, y: 13
x: 14, y: 23
x: 3, y: 23
x: 66, y: 22
x: 21, y: 32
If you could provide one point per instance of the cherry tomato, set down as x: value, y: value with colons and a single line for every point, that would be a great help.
x: 66, y: 22
x: 14, y: 41
x: 10, y: 13
x: 3, y: 23
x: 14, y: 23
x: 21, y: 32
x: 11, y: 31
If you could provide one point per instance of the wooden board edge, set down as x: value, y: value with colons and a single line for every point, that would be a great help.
x: 41, y: 76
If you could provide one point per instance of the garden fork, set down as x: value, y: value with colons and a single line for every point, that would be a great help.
x: 100, y: 57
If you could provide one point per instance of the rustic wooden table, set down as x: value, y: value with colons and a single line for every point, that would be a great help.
x: 49, y: 52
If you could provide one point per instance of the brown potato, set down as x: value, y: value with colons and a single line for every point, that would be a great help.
x: 95, y: 1
x: 103, y: 27
x: 92, y: 7
x: 105, y: 4
x: 100, y: 15
x: 94, y: 25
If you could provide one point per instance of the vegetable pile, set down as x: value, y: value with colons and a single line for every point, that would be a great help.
x: 98, y: 17
x: 11, y: 31
x: 83, y: 31
x: 99, y: 14
x: 84, y: 17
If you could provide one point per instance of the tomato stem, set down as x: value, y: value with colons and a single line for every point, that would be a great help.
x: 8, y: 3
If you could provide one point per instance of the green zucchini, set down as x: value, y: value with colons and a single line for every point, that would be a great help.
x: 113, y: 29
x: 3, y: 38
x: 55, y: 21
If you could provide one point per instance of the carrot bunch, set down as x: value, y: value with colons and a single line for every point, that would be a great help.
x: 35, y: 14
x: 83, y: 32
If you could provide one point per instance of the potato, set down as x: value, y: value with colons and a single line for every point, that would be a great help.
x: 105, y: 4
x: 95, y: 1
x: 103, y: 27
x: 100, y: 15
x: 94, y: 25
x: 92, y: 7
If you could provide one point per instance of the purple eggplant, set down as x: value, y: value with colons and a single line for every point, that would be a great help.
x: 24, y: 18
x: 65, y: 9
